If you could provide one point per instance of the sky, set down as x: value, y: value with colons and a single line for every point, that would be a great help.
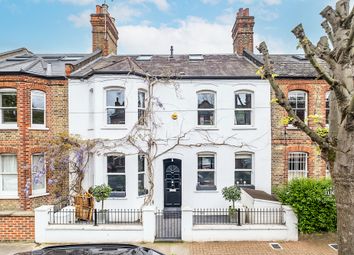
x: 152, y: 26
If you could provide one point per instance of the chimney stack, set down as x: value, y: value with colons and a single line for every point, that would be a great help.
x: 242, y: 32
x: 104, y: 32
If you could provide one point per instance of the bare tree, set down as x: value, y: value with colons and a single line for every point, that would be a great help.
x: 336, y: 50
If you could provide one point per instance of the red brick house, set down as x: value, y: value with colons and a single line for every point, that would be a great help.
x: 293, y: 153
x: 33, y: 108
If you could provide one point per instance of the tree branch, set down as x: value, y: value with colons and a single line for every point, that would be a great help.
x: 283, y: 101
x: 341, y: 92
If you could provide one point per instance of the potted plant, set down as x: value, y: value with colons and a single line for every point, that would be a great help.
x: 101, y: 193
x: 232, y: 194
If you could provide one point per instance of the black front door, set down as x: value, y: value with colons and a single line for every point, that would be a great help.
x: 172, y: 182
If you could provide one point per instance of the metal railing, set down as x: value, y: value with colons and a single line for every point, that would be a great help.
x: 244, y: 216
x: 95, y: 217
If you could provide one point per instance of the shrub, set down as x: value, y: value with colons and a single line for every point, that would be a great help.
x: 231, y: 194
x: 313, y: 203
x: 101, y: 193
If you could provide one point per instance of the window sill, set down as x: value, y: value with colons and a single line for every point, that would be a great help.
x: 38, y: 128
x: 14, y: 197
x: 118, y: 127
x: 9, y: 127
x: 117, y: 198
x: 244, y: 128
x: 206, y: 128
x: 39, y: 195
x: 205, y: 188
x: 206, y: 191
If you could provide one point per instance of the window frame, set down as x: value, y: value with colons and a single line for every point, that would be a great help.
x: 44, y: 109
x: 298, y: 173
x: 327, y: 109
x: 117, y: 194
x: 7, y: 91
x: 106, y: 107
x: 142, y: 121
x: 207, y: 109
x: 252, y: 169
x: 252, y: 118
x: 306, y: 104
x: 2, y: 173
x: 43, y: 190
x: 144, y: 176
x: 206, y: 187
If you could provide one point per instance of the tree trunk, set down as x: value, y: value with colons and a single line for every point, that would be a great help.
x: 343, y: 177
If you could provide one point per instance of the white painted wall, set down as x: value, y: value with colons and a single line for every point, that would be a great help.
x: 87, y: 118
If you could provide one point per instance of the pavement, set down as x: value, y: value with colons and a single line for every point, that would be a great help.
x: 308, y: 245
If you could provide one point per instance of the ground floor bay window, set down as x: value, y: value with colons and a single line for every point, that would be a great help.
x: 8, y: 175
x: 297, y: 165
x: 38, y: 174
x: 142, y: 178
x: 116, y: 175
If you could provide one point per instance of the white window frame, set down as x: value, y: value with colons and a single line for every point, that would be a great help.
x: 328, y: 93
x: 43, y: 190
x: 306, y: 103
x: 302, y: 159
x: 119, y: 193
x: 245, y: 109
x: 206, y: 187
x: 37, y: 93
x: 7, y: 91
x: 245, y: 153
x: 206, y: 109
x: 145, y: 176
x: 142, y: 108
x: 2, y: 173
x: 106, y: 107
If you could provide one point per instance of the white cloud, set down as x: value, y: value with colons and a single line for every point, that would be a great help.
x: 162, y: 5
x: 210, y: 1
x: 81, y: 20
x: 194, y: 35
x: 78, y: 2
x: 272, y: 2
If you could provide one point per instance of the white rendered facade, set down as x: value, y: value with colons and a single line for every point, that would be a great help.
x: 87, y: 118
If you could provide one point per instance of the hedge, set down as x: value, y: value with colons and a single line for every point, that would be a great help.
x: 314, y: 203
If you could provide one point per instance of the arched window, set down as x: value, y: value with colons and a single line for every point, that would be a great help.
x: 206, y: 108
x: 243, y: 108
x: 206, y: 171
x: 244, y: 168
x: 327, y: 107
x: 38, y: 109
x: 297, y: 165
x: 115, y: 106
x: 8, y: 106
x: 298, y: 101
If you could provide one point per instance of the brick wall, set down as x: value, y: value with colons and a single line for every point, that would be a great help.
x: 24, y: 141
x: 16, y: 226
x: 285, y: 140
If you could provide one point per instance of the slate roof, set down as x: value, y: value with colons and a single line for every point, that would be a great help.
x: 287, y: 65
x: 212, y: 66
x: 45, y: 65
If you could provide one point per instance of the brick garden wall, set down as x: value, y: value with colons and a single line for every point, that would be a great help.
x: 16, y: 226
x: 285, y: 140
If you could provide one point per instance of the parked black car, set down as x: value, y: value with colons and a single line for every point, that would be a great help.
x: 93, y: 249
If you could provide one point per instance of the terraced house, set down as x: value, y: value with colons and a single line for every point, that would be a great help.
x: 33, y: 108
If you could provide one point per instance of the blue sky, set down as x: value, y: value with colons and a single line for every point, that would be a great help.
x: 151, y: 26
